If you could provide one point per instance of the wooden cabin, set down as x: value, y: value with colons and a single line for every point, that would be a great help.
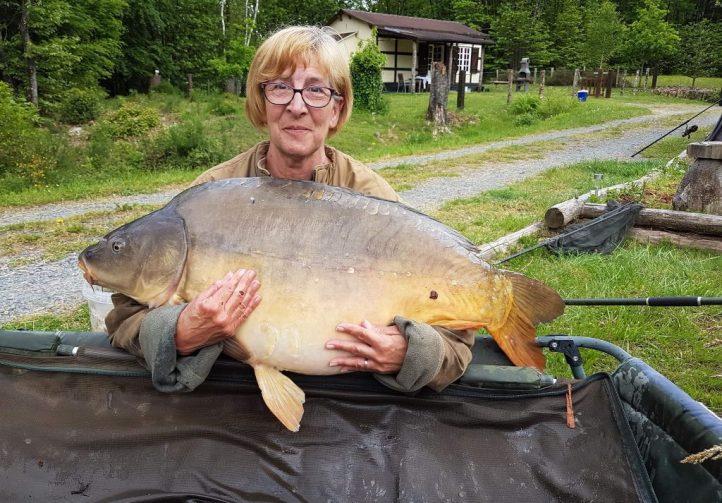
x: 412, y: 44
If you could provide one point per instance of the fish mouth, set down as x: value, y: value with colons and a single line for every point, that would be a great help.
x: 86, y: 273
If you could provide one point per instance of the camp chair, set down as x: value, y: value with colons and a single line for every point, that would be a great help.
x: 402, y: 83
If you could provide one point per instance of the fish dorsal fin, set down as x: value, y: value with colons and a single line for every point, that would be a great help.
x: 281, y: 395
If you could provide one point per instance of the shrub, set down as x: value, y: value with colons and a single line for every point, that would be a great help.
x: 525, y: 104
x: 554, y: 104
x: 131, y: 120
x: 226, y: 104
x: 526, y: 119
x: 165, y: 87
x: 80, y: 105
x: 26, y: 151
x: 185, y: 145
x: 366, y: 66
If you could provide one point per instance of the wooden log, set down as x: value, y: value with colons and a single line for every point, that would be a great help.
x: 566, y: 212
x: 683, y: 221
x: 687, y: 240
x: 488, y: 250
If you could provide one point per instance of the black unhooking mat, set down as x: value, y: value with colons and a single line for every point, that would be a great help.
x: 87, y: 438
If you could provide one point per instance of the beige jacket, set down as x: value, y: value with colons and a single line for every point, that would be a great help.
x: 436, y: 356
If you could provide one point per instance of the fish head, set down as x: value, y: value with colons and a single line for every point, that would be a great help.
x: 144, y: 259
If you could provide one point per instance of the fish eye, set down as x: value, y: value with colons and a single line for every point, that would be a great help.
x: 117, y: 245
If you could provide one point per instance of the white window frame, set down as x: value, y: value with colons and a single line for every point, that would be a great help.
x: 465, y: 58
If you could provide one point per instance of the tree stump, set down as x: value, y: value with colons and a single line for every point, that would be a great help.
x: 701, y: 187
x: 438, y: 98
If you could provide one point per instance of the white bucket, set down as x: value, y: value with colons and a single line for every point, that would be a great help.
x: 99, y: 303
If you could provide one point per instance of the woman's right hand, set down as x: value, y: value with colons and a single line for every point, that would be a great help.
x: 216, y: 313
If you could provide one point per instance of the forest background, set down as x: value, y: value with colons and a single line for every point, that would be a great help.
x: 61, y: 59
x: 50, y: 48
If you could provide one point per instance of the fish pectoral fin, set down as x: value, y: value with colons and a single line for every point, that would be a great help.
x: 532, y: 303
x: 457, y: 324
x: 281, y: 395
x: 517, y: 339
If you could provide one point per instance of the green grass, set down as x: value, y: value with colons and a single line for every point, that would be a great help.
x: 681, y: 80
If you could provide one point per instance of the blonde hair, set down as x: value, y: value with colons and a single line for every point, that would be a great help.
x: 298, y: 46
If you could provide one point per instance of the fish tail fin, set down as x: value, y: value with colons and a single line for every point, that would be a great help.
x: 281, y: 395
x: 532, y: 302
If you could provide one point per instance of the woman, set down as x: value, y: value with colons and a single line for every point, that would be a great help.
x: 299, y: 89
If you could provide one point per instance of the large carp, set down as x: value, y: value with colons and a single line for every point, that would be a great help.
x: 324, y: 255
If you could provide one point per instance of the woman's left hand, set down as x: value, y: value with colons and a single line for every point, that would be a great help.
x: 377, y: 348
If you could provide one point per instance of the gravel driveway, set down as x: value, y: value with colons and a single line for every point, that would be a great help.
x: 53, y: 287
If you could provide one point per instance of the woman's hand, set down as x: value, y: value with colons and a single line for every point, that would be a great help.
x: 216, y: 313
x: 380, y: 349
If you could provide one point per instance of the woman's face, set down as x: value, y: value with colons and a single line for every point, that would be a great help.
x: 297, y: 130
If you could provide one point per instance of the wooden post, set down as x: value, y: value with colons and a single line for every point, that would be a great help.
x: 541, y: 83
x: 413, y: 67
x: 646, y: 78
x: 575, y: 83
x: 481, y: 68
x: 610, y: 80
x: 462, y: 90
x: 636, y: 82
x: 624, y: 83
x: 449, y: 67
x: 598, y: 83
x: 534, y: 79
x: 510, y: 80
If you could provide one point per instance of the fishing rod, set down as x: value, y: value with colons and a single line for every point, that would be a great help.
x: 648, y: 301
x: 687, y: 131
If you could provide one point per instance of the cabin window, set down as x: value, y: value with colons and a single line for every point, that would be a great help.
x: 465, y: 58
x: 436, y: 53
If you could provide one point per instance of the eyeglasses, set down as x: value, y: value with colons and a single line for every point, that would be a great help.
x: 314, y: 96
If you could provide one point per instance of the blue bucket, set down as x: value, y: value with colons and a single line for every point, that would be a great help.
x: 582, y: 94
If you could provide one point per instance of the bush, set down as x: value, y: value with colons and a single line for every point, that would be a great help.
x: 554, y: 104
x: 165, y: 87
x: 366, y: 66
x: 185, y: 145
x: 131, y: 120
x: 80, y: 105
x: 27, y: 152
x: 525, y: 119
x: 226, y: 104
x: 525, y: 104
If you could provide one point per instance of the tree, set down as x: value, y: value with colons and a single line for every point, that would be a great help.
x: 519, y: 33
x: 602, y: 32
x: 50, y: 46
x: 650, y: 39
x: 699, y: 49
x: 566, y: 36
